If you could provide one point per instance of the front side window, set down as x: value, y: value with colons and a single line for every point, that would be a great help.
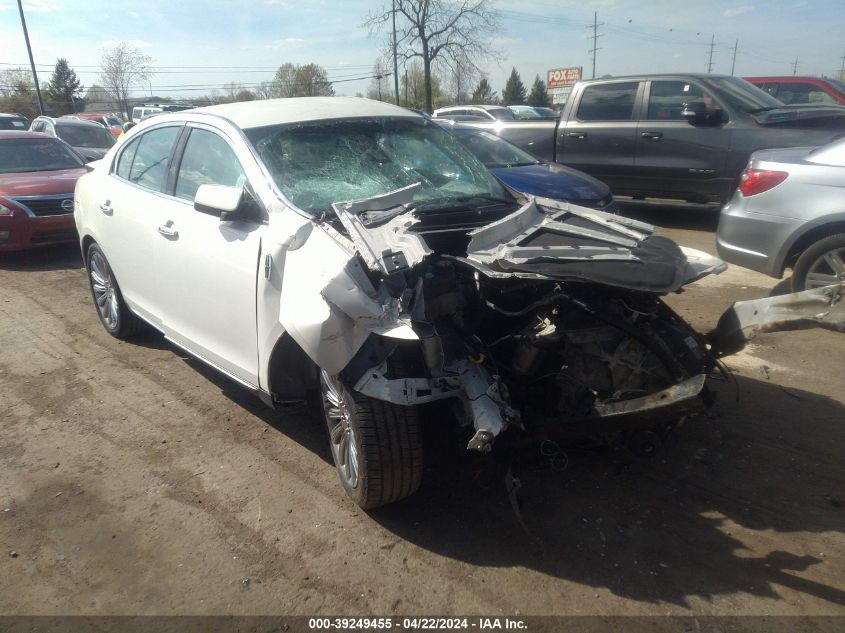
x: 667, y: 98
x: 608, y: 102
x: 317, y: 164
x: 207, y: 159
x: 152, y: 158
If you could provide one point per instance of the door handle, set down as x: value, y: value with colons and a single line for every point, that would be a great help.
x: 168, y: 231
x: 578, y: 135
x: 106, y: 208
x: 652, y: 136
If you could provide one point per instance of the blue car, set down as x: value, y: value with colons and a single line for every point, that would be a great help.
x: 521, y: 171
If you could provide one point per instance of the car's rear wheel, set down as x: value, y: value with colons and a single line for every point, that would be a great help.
x: 376, y: 445
x: 822, y: 264
x: 114, y: 314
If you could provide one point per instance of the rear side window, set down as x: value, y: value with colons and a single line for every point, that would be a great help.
x: 608, y: 102
x: 152, y: 158
x: 207, y: 159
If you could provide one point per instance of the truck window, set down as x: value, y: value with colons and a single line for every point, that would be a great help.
x: 667, y: 98
x: 608, y: 102
x: 794, y: 92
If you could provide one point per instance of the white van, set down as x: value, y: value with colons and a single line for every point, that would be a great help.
x: 139, y: 112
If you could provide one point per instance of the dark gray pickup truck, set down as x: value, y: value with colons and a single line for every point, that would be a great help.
x: 685, y: 136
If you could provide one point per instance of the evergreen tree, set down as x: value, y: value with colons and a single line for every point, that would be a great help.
x: 483, y: 93
x: 539, y: 95
x: 514, y: 92
x: 64, y: 89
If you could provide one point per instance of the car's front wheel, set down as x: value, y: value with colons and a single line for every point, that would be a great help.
x: 822, y: 264
x: 114, y: 314
x: 376, y: 445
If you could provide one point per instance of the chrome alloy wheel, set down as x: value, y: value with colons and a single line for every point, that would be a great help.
x: 337, y: 408
x: 105, y: 293
x: 826, y: 270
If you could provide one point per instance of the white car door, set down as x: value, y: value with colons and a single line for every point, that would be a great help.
x: 128, y: 212
x: 206, y: 268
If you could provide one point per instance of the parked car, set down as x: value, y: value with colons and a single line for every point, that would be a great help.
x: 37, y: 177
x: 111, y: 123
x: 791, y: 90
x: 90, y: 140
x: 684, y: 137
x: 355, y: 248
x: 523, y: 172
x: 483, y: 112
x: 527, y: 113
x: 789, y: 212
x: 13, y: 122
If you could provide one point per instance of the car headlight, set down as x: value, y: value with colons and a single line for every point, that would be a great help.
x: 4, y: 210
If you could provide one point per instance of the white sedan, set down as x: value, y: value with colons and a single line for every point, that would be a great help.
x: 353, y: 249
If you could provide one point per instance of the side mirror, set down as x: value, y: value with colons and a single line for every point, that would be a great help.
x: 226, y: 202
x: 697, y: 113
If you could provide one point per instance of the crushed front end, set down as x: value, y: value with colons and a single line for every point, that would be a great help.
x: 546, y: 322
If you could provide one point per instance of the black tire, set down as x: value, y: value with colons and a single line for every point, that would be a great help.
x: 114, y: 314
x: 387, y: 441
x: 809, y: 260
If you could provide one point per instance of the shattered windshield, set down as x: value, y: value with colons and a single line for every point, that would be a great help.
x: 317, y: 164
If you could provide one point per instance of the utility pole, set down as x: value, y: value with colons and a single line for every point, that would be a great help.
x: 596, y: 35
x: 395, y: 67
x: 733, y: 61
x: 795, y: 67
x: 842, y: 69
x: 710, y: 59
x: 31, y: 61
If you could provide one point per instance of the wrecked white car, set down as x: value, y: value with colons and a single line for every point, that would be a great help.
x: 354, y: 249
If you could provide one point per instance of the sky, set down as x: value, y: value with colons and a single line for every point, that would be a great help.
x: 199, y: 45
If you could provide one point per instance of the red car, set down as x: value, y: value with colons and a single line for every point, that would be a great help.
x: 37, y: 177
x: 111, y: 123
x: 802, y: 89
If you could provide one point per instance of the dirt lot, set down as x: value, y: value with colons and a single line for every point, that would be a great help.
x: 134, y: 481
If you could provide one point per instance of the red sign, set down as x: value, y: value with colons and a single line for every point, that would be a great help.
x: 559, y: 77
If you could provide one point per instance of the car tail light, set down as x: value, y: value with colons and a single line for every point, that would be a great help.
x: 754, y: 181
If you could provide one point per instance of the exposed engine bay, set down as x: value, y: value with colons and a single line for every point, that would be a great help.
x: 547, y: 320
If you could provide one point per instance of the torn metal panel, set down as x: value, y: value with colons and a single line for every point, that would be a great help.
x: 504, y: 239
x: 406, y: 391
x: 819, y: 307
x: 379, y: 227
x: 701, y: 264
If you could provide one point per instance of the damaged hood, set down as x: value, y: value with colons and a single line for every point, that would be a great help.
x: 543, y: 239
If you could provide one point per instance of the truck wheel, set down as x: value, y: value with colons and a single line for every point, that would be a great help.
x: 114, y: 314
x: 822, y: 264
x: 376, y: 445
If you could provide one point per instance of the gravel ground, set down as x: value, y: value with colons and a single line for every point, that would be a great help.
x: 135, y: 481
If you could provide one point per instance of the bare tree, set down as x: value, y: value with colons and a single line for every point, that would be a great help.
x: 462, y: 76
x: 264, y: 90
x: 438, y: 31
x: 284, y: 82
x: 121, y: 67
x: 380, y: 86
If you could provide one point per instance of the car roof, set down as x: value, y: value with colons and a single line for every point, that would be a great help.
x: 786, y: 78
x: 481, y: 107
x: 252, y: 114
x: 12, y: 115
x: 700, y: 76
x: 11, y: 134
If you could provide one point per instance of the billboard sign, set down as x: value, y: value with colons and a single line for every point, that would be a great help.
x: 560, y: 77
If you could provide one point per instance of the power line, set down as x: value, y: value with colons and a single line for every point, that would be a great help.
x: 596, y: 36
